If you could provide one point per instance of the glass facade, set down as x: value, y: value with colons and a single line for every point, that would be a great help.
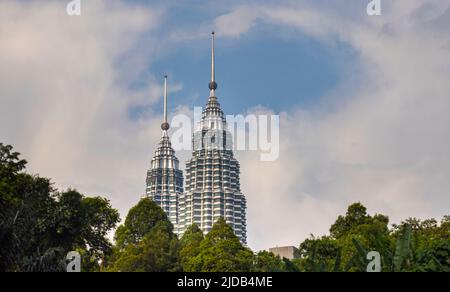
x: 212, y: 188
x: 165, y: 180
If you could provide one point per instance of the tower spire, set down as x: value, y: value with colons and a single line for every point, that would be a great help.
x: 213, y: 84
x: 165, y: 125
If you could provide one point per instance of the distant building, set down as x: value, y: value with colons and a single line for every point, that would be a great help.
x: 164, y: 178
x: 289, y: 252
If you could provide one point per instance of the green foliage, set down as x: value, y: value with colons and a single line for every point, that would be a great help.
x: 10, y: 162
x: 38, y: 225
x: 267, y: 262
x: 338, y: 263
x: 81, y: 221
x: 290, y: 266
x: 429, y: 244
x: 146, y: 242
x: 395, y: 261
x: 141, y: 219
x: 414, y: 245
x: 221, y: 251
x: 320, y: 253
x: 336, y: 252
x: 356, y: 215
x: 51, y: 260
x: 156, y: 252
x: 403, y: 249
x: 190, y: 246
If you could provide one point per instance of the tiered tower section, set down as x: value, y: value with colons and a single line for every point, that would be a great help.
x: 164, y: 178
x: 212, y: 188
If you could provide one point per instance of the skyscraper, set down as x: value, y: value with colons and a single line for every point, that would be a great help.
x: 212, y: 187
x: 164, y: 178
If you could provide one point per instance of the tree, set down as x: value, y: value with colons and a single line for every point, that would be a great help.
x: 156, y: 252
x: 39, y: 226
x: 429, y: 244
x: 146, y: 242
x: 318, y: 252
x: 82, y: 223
x: 141, y: 219
x: 336, y: 252
x: 267, y: 262
x: 397, y: 260
x: 355, y: 217
x: 23, y: 199
x: 372, y: 231
x: 190, y: 245
x: 414, y: 245
x: 221, y: 251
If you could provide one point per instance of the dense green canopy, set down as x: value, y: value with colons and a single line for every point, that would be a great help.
x: 39, y: 226
x: 146, y: 242
x: 414, y: 245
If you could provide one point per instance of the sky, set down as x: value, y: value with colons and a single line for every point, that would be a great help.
x: 364, y: 102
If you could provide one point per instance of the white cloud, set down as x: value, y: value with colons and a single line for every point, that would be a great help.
x: 384, y: 144
x: 239, y: 21
x: 64, y: 100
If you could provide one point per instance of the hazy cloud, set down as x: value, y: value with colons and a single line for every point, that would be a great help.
x: 64, y: 101
x: 384, y: 144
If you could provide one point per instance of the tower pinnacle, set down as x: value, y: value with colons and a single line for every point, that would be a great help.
x: 165, y: 125
x: 213, y: 84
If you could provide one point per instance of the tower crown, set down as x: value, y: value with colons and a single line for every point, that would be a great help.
x: 213, y: 107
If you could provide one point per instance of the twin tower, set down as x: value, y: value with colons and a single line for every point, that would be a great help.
x: 212, y: 189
